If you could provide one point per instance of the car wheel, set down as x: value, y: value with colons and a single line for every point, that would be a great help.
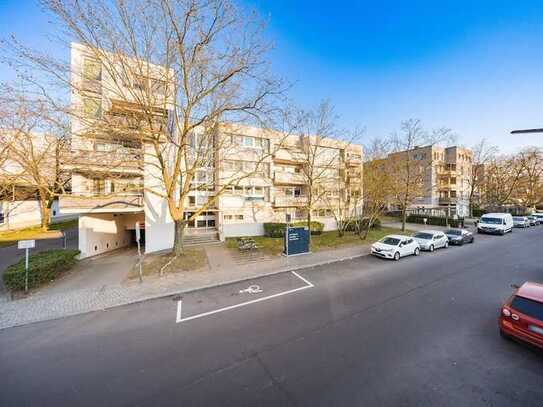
x: 461, y: 242
x: 416, y: 252
x: 431, y: 248
x: 397, y: 256
x: 472, y: 240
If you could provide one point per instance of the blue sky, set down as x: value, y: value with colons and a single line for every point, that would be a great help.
x: 473, y: 66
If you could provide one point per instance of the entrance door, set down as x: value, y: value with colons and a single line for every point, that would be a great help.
x: 204, y: 221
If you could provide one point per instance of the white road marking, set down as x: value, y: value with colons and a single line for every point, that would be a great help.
x: 180, y: 319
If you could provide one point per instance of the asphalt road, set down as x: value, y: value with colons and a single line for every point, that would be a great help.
x: 370, y: 332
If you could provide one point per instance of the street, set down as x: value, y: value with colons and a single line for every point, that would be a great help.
x: 368, y: 332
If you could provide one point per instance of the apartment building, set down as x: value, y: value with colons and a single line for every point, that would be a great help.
x: 252, y: 175
x: 446, y: 180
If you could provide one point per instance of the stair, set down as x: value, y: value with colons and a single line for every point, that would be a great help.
x: 201, y: 239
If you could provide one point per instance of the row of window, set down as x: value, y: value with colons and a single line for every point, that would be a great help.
x: 92, y: 71
x: 246, y: 166
x: 251, y: 142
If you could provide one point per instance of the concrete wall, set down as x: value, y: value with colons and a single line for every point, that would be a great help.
x: 100, y: 233
x: 243, y: 229
x: 23, y: 214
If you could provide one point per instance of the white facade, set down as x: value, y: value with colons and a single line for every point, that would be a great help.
x: 112, y: 198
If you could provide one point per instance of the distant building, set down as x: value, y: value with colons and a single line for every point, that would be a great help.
x: 446, y: 180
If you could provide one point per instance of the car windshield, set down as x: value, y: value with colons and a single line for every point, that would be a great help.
x: 390, y: 241
x: 528, y: 307
x: 518, y: 218
x: 422, y: 235
x: 453, y: 232
x: 492, y: 221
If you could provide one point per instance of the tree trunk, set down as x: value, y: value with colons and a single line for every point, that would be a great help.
x: 309, y: 224
x: 404, y: 218
x: 45, y: 213
x: 178, y: 249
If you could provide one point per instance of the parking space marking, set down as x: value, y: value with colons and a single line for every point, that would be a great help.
x: 179, y: 317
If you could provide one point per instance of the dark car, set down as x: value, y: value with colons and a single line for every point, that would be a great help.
x: 521, y: 316
x: 459, y: 236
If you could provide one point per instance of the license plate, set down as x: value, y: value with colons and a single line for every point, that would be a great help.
x: 536, y: 329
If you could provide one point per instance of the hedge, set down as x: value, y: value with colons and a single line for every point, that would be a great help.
x: 278, y: 229
x: 42, y: 268
x: 435, y: 220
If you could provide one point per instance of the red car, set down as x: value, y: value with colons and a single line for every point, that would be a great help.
x: 521, y: 316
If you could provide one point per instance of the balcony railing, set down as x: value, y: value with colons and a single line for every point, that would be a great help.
x: 286, y: 201
x: 289, y: 155
x: 447, y: 201
x: 101, y: 203
x: 288, y: 178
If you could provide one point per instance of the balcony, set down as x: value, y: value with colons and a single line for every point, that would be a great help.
x: 122, y: 160
x: 289, y: 156
x: 101, y: 203
x: 290, y: 201
x: 447, y: 201
x: 288, y: 178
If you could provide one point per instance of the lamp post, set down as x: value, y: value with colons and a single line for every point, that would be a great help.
x: 527, y: 131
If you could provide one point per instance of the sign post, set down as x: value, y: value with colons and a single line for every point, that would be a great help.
x: 138, y: 240
x: 27, y: 245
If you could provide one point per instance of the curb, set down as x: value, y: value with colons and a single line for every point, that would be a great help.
x: 188, y: 291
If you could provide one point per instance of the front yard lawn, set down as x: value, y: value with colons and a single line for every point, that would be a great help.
x: 324, y: 241
x: 10, y: 237
x: 193, y: 259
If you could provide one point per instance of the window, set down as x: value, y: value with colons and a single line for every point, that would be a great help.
x: 239, y: 217
x: 248, y: 141
x: 99, y: 186
x: 192, y: 200
x: 2, y: 217
x: 100, y: 147
x: 227, y: 217
x: 92, y: 69
x: 92, y: 108
x: 453, y: 181
x: 528, y: 307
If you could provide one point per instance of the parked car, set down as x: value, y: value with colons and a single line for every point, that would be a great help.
x: 533, y: 220
x: 521, y: 316
x: 431, y: 240
x: 395, y: 247
x: 495, y: 223
x: 521, y: 222
x: 459, y: 236
x: 539, y: 217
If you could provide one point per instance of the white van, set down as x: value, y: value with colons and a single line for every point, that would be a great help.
x: 495, y: 223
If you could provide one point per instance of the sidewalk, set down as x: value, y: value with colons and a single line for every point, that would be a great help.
x: 222, y: 270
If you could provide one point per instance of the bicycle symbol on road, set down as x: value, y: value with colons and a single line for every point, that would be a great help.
x: 253, y: 289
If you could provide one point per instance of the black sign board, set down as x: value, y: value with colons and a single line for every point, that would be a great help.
x: 296, y: 241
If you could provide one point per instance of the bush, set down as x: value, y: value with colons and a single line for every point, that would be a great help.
x: 42, y: 267
x: 278, y: 229
x: 274, y: 229
x: 478, y: 212
x: 316, y: 227
x: 364, y: 224
x: 435, y: 220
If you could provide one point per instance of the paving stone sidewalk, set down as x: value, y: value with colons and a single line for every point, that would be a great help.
x: 42, y: 307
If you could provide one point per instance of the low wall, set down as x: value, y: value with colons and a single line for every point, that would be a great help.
x: 243, y: 229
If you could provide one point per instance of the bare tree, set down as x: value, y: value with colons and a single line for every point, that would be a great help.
x: 322, y: 160
x: 175, y: 71
x: 502, y: 177
x: 377, y: 185
x: 34, y: 141
x: 409, y: 168
x: 529, y: 190
x: 483, y: 153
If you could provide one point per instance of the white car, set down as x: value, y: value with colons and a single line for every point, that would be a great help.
x: 431, y: 239
x: 495, y: 223
x: 395, y: 247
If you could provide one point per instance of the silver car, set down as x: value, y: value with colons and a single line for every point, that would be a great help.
x: 521, y: 222
x: 431, y: 239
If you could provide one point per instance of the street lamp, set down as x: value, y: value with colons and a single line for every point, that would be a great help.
x: 527, y: 131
